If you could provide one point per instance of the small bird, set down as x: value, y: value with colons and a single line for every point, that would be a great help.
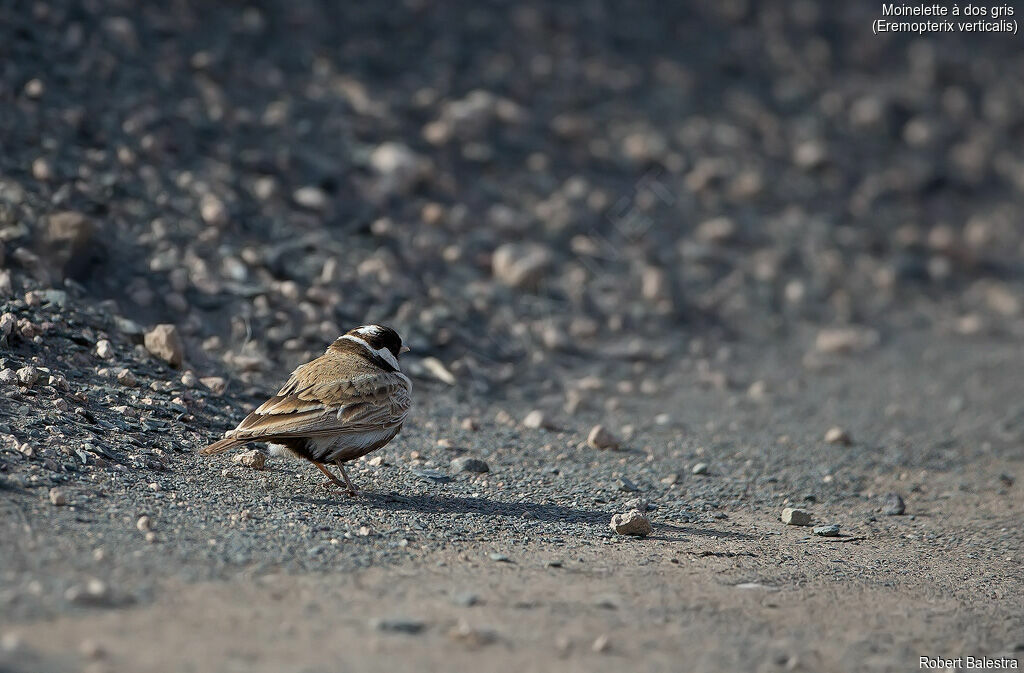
x: 346, y: 403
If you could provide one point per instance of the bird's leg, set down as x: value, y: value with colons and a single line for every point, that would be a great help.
x: 351, y: 488
x: 330, y: 476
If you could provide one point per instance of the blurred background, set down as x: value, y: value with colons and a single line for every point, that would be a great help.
x: 506, y: 182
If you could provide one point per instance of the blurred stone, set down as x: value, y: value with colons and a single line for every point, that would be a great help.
x: 311, y: 198
x: 537, y: 419
x: 837, y: 435
x: 469, y: 464
x: 57, y: 497
x: 846, y: 339
x: 521, y: 265
x: 893, y: 505
x: 212, y: 210
x: 164, y: 342
x: 601, y: 438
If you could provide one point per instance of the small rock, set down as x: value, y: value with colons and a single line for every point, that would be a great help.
x: 437, y: 369
x: 144, y: 524
x: 104, y: 349
x: 846, y: 339
x: 429, y: 475
x: 521, y: 265
x: 376, y: 461
x: 836, y: 435
x: 310, y: 197
x: 717, y: 230
x: 216, y: 384
x: 28, y: 375
x: 8, y: 376
x: 7, y: 322
x: 601, y: 644
x: 699, y: 468
x: 126, y: 378
x: 893, y: 505
x: 601, y: 438
x: 470, y: 424
x: 189, y: 379
x: 398, y: 168
x: 212, y: 210
x: 827, y: 531
x: 57, y: 497
x: 164, y: 342
x: 537, y: 419
x: 254, y: 459
x: 631, y: 523
x: 95, y: 593
x: 499, y: 558
x: 469, y: 464
x: 399, y: 625
x: 792, y: 516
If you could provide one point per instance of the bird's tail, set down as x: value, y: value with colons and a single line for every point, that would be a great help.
x: 221, y: 446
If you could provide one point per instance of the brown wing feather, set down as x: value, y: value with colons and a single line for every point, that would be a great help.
x: 334, y: 394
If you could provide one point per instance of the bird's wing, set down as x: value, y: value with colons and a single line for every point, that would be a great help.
x: 316, y: 405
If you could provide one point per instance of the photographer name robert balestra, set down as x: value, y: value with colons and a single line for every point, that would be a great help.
x: 968, y: 663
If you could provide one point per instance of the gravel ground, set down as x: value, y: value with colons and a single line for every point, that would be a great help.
x: 776, y: 258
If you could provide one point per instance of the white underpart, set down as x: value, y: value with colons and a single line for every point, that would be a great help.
x: 279, y: 450
x: 383, y: 353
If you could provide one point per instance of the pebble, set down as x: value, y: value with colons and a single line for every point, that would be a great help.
x: 469, y: 464
x: 8, y: 376
x: 57, y: 497
x: 94, y: 593
x: 499, y: 558
x: 699, y: 468
x: 845, y: 339
x: 212, y: 210
x: 164, y: 342
x: 255, y: 459
x: 144, y: 523
x: 189, y: 379
x: 601, y: 644
x: 28, y: 376
x: 407, y: 625
x: 601, y: 438
x: 536, y: 420
x: 893, y: 505
x: 216, y: 384
x: 792, y: 516
x: 126, y: 378
x: 437, y: 369
x: 310, y: 197
x: 104, y: 349
x: 836, y: 435
x: 831, y: 530
x: 521, y: 265
x: 631, y: 523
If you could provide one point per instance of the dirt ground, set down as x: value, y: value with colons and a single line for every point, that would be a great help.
x: 721, y: 584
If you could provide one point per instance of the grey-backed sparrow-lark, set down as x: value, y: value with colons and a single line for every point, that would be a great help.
x: 346, y: 403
